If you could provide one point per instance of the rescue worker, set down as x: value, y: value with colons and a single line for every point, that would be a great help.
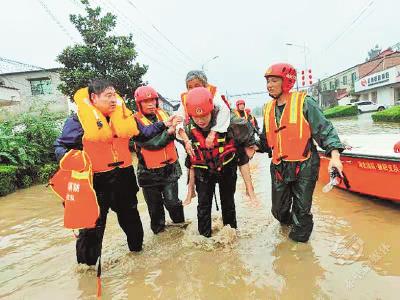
x: 253, y: 120
x: 245, y: 113
x: 217, y: 164
x: 240, y: 110
x: 195, y: 79
x: 158, y: 167
x: 223, y: 115
x: 100, y: 130
x: 292, y: 120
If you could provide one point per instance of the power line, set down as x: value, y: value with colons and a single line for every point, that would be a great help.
x: 374, y: 68
x: 159, y: 31
x: 137, y: 30
x: 349, y: 27
x: 54, y: 18
x: 48, y: 11
x: 248, y: 94
x: 18, y: 63
x: 147, y: 39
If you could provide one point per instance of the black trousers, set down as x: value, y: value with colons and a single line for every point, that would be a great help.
x: 159, y: 196
x: 205, y: 187
x: 292, y: 193
x: 117, y: 190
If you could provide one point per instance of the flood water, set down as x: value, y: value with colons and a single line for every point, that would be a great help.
x: 353, y: 252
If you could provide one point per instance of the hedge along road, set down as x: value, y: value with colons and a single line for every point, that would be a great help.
x: 353, y: 251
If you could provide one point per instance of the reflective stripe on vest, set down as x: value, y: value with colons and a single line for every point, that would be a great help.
x: 215, y: 158
x: 155, y: 159
x: 291, y: 140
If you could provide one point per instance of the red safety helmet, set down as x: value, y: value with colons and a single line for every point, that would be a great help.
x: 240, y: 101
x: 143, y: 93
x: 285, y: 71
x: 199, y: 102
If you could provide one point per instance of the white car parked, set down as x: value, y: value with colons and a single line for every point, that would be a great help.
x: 366, y: 106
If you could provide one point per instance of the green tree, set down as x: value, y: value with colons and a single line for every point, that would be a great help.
x: 374, y: 52
x: 101, y: 55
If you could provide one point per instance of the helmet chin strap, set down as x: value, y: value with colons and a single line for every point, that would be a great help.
x: 276, y: 97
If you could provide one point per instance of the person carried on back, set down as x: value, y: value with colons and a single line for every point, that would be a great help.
x: 216, y: 164
x: 196, y: 79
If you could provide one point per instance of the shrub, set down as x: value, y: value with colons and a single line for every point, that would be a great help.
x: 341, y: 111
x: 26, y: 148
x: 13, y: 177
x: 8, y: 178
x: 25, y: 182
x: 27, y: 140
x: 46, y: 171
x: 389, y: 115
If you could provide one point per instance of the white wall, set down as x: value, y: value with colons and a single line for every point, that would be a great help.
x: 385, y: 96
x: 7, y: 95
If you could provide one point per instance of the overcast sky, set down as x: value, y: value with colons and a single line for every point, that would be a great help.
x: 246, y: 35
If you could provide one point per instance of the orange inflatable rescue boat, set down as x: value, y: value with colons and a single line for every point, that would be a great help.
x: 371, y: 166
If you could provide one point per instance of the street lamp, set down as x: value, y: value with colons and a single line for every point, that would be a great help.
x: 211, y: 59
x: 305, y: 49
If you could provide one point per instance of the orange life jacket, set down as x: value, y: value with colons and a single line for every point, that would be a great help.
x: 246, y: 115
x: 290, y: 142
x: 212, y: 89
x: 155, y: 159
x: 106, y: 142
x: 73, y: 183
x: 213, y: 159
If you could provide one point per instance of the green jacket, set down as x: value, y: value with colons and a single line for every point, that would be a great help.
x: 161, y: 176
x: 322, y: 132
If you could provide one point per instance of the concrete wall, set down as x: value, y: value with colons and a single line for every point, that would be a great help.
x: 9, y: 96
x: 55, y: 100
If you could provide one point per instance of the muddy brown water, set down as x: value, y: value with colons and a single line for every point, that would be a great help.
x: 353, y: 252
